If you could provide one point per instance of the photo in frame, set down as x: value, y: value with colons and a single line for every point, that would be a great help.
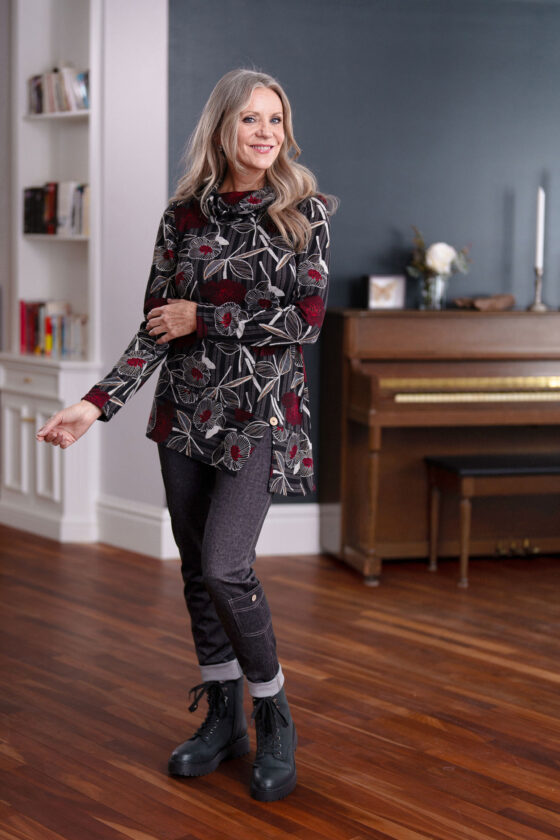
x: 386, y: 291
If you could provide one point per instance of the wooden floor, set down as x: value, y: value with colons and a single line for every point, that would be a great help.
x: 423, y: 710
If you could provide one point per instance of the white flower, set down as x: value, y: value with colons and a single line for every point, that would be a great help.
x: 440, y: 256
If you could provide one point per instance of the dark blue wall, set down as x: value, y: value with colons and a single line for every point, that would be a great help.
x: 439, y: 113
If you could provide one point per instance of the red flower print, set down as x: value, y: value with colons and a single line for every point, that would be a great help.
x: 189, y: 218
x: 203, y: 248
x: 312, y: 273
x: 236, y: 450
x: 133, y: 365
x: 222, y: 291
x: 241, y: 414
x: 293, y: 414
x: 264, y: 303
x: 197, y: 369
x: 208, y: 414
x: 253, y: 199
x: 97, y: 396
x: 313, y: 309
x: 163, y: 423
x: 229, y: 319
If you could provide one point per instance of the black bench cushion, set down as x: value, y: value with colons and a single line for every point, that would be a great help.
x: 524, y: 464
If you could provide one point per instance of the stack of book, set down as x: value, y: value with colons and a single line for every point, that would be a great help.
x: 62, y: 89
x: 49, y: 328
x: 60, y: 208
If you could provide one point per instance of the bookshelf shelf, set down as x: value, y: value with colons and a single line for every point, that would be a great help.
x: 58, y: 115
x: 57, y: 237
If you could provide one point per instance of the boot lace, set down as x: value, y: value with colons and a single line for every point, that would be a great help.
x: 268, y: 720
x: 217, y: 703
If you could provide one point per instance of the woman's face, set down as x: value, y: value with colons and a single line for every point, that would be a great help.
x: 260, y: 131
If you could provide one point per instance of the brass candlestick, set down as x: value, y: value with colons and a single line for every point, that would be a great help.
x: 538, y: 305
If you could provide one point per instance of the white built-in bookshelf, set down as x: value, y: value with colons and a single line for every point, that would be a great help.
x: 44, y: 489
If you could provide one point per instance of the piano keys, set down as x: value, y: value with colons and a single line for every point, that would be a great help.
x: 399, y: 385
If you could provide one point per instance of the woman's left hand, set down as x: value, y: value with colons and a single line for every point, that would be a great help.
x: 175, y: 319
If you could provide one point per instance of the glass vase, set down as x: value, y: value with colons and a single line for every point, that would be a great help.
x: 433, y: 292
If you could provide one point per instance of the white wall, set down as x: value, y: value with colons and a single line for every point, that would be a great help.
x: 134, y: 186
x: 5, y: 157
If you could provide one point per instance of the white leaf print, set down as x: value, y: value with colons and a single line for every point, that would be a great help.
x: 211, y: 432
x: 221, y: 240
x: 276, y: 331
x: 266, y: 369
x: 241, y: 269
x: 285, y: 362
x: 267, y: 389
x: 256, y: 428
x: 293, y: 325
x: 208, y: 363
x: 282, y: 262
x: 213, y: 267
x: 228, y: 348
x: 277, y: 291
x: 235, y: 382
x: 217, y: 454
x: 229, y: 397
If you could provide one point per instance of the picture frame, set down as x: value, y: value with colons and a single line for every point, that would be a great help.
x: 386, y: 291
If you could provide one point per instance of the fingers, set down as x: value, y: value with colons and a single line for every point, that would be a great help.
x: 48, y: 426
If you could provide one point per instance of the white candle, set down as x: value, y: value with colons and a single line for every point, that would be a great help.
x: 539, y: 249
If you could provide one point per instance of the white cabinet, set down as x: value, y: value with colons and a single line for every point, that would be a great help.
x: 43, y: 488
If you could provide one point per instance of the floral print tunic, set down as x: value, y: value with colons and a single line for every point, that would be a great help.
x: 258, y: 302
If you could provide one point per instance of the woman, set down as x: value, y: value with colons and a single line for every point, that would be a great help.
x: 238, y: 284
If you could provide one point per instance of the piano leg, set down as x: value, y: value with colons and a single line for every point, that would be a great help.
x: 435, y: 495
x: 465, y: 512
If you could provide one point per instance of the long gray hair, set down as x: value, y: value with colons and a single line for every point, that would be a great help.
x: 205, y: 165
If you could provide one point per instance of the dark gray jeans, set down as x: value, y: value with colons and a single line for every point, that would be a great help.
x: 216, y: 518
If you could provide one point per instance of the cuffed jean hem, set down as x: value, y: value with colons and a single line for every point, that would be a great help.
x: 267, y: 689
x: 221, y: 671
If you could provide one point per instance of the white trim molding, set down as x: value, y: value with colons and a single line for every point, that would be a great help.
x: 288, y: 528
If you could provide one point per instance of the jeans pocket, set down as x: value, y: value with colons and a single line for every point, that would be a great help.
x: 251, y: 612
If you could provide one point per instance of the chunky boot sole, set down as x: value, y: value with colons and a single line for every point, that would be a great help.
x: 273, y: 794
x: 202, y: 768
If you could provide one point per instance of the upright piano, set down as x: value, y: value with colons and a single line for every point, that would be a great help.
x: 399, y: 385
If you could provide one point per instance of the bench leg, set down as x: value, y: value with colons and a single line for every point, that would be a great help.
x: 465, y: 511
x: 434, y: 527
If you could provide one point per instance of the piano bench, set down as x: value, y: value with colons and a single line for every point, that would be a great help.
x: 474, y: 476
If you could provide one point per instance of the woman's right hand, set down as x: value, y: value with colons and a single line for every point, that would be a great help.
x: 66, y: 426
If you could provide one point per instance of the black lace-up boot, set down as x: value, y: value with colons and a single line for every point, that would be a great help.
x: 274, y: 770
x: 223, y: 734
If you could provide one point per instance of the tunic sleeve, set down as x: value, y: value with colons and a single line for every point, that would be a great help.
x: 297, y: 323
x: 142, y: 355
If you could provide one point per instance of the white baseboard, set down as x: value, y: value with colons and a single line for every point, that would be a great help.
x: 135, y: 526
x: 288, y: 529
x: 49, y: 525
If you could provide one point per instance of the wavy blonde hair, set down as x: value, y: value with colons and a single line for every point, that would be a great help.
x: 206, y: 166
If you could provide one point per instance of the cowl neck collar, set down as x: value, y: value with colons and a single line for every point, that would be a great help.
x: 232, y: 205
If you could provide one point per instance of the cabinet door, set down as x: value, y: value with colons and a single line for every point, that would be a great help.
x: 30, y: 469
x: 17, y: 420
x: 46, y: 461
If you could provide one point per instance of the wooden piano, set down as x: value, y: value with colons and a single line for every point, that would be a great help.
x: 399, y: 385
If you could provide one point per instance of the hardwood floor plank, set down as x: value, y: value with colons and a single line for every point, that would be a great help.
x: 424, y: 712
